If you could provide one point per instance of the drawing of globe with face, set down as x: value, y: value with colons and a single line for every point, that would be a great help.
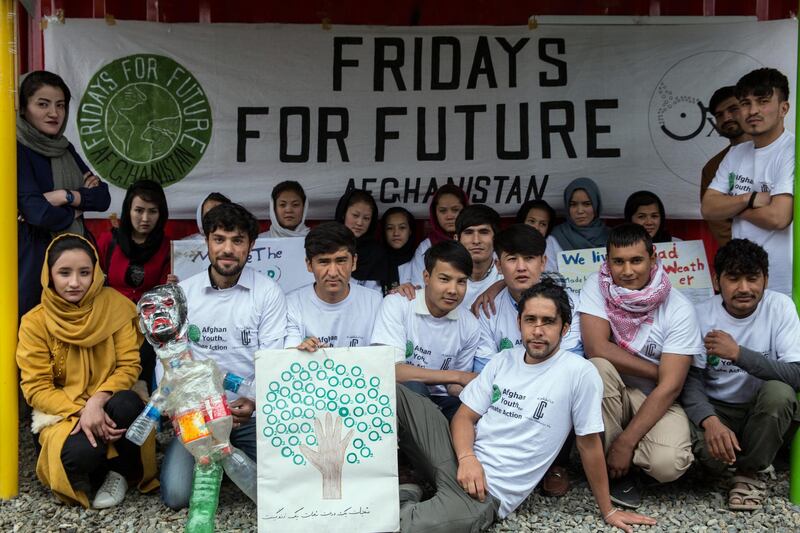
x: 681, y: 127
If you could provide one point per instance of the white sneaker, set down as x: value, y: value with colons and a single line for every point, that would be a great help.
x: 111, y: 492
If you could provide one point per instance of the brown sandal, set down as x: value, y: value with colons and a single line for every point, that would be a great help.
x: 556, y: 481
x: 750, y: 498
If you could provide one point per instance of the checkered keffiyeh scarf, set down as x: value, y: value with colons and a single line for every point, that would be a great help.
x: 631, y: 313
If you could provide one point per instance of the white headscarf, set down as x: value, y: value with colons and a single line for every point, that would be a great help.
x: 276, y: 230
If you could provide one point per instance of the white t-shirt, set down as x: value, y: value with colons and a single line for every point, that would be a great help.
x: 745, y: 169
x: 446, y: 343
x: 476, y: 288
x: 674, y: 330
x: 501, y: 331
x: 527, y: 411
x: 404, y: 273
x: 551, y: 253
x: 772, y: 330
x: 346, y: 323
x: 236, y: 322
x: 418, y: 263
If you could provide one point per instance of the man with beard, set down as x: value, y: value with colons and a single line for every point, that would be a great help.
x: 234, y: 311
x: 754, y: 183
x: 743, y: 403
x: 724, y: 106
x: 514, y: 418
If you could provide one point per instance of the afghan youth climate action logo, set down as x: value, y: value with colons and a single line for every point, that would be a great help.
x: 681, y: 127
x: 144, y: 117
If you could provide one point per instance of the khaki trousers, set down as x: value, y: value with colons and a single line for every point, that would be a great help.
x: 665, y: 452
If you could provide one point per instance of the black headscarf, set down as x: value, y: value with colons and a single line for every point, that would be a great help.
x: 394, y: 257
x: 640, y: 198
x: 372, y: 263
x: 139, y: 254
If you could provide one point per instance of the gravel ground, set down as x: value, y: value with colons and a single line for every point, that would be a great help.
x: 693, y: 503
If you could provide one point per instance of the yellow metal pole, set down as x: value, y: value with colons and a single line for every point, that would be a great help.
x: 9, y: 422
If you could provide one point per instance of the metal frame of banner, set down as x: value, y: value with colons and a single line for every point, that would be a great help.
x: 9, y: 382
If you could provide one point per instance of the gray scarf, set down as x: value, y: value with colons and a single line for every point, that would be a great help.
x: 66, y: 173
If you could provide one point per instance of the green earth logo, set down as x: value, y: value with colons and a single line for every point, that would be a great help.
x: 409, y: 349
x: 496, y: 394
x: 505, y: 344
x: 712, y: 360
x: 144, y: 116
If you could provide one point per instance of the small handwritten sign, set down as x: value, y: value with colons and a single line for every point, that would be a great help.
x: 684, y: 261
x: 282, y: 260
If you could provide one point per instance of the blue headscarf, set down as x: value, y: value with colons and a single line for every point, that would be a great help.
x: 569, y: 235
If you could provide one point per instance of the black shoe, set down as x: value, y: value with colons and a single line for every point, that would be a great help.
x: 626, y: 491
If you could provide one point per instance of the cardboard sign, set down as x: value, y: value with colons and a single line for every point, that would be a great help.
x: 282, y: 260
x: 327, y: 442
x: 684, y: 261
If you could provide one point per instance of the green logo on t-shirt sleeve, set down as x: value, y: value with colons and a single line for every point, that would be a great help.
x: 496, y: 394
x: 193, y: 333
x: 731, y: 181
x: 409, y: 349
x: 712, y: 360
x: 505, y: 344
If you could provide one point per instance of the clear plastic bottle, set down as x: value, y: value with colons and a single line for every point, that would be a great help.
x: 239, y: 385
x: 242, y: 471
x: 148, y: 419
x: 205, y: 498
x: 190, y: 425
x: 218, y: 418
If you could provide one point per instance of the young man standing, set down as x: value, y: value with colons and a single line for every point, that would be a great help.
x: 234, y: 311
x: 514, y: 418
x: 754, y: 184
x: 476, y: 227
x: 743, y: 404
x: 331, y: 311
x: 642, y: 336
x: 724, y: 107
x: 438, y: 339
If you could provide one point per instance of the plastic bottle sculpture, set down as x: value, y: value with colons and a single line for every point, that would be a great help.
x: 193, y: 394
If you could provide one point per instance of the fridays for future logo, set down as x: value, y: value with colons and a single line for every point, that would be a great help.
x: 144, y: 116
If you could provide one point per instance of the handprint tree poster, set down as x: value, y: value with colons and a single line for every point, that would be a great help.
x: 327, y: 441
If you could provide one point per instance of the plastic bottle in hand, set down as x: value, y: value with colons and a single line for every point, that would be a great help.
x: 148, y: 419
x: 205, y: 498
x: 239, y: 385
x: 190, y: 425
x: 242, y: 471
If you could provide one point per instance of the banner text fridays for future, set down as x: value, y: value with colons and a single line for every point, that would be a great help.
x: 508, y: 113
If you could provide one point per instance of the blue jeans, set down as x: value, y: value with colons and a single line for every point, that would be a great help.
x: 448, y: 405
x: 177, y: 470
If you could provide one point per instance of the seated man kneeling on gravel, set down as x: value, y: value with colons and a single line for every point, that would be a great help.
x: 743, y: 404
x: 514, y: 418
x: 643, y: 336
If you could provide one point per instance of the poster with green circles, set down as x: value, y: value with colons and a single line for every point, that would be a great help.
x: 327, y: 440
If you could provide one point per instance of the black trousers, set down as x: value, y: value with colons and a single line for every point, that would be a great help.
x: 83, y: 462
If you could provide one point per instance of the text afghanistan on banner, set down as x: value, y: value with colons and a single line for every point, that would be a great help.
x: 327, y: 447
x: 281, y: 260
x: 684, y: 261
x: 507, y: 113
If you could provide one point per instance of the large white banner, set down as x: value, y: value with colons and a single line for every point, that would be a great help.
x: 327, y: 447
x: 506, y: 112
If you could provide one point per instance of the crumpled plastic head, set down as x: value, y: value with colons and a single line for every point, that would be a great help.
x: 163, y: 314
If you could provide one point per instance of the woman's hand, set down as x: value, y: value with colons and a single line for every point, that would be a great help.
x: 95, y: 422
x: 172, y: 278
x: 90, y: 181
